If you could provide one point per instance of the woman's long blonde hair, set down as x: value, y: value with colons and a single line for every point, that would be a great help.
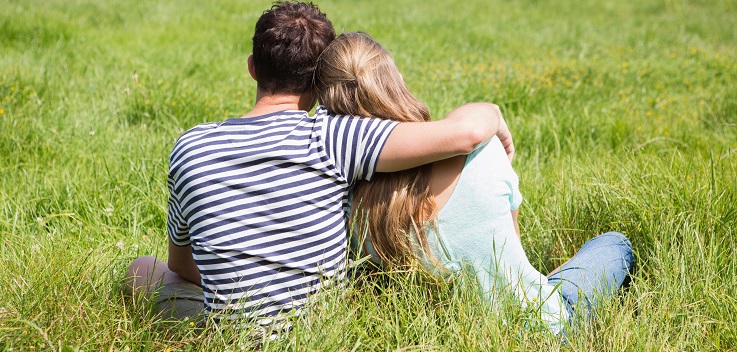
x: 356, y: 76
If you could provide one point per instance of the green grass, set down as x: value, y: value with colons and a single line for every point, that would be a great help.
x: 624, y: 117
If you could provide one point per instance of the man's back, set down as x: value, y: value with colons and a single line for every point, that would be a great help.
x: 261, y: 201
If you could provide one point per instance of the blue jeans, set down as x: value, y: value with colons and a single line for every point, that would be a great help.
x: 595, y: 273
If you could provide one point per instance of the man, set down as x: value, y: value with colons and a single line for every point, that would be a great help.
x: 256, y: 221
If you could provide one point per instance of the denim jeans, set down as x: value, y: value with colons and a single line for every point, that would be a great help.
x: 595, y: 273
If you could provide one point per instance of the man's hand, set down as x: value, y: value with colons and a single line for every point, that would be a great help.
x: 506, y: 138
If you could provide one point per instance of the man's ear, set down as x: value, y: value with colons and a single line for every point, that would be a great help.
x: 252, y: 68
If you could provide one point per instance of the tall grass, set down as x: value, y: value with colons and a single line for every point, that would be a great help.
x: 624, y: 117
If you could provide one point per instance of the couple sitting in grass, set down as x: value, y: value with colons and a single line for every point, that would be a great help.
x: 260, y: 206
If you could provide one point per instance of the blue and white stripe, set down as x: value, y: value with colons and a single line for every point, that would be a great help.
x: 260, y: 200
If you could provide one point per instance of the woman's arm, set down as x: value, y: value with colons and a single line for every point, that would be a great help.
x: 515, y: 214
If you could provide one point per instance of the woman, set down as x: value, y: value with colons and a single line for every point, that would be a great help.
x: 459, y: 213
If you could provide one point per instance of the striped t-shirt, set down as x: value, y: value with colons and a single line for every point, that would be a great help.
x: 261, y: 201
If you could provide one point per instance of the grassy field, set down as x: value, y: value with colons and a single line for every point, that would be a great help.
x: 624, y: 116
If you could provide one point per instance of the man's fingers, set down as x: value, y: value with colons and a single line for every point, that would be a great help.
x: 505, y: 136
x: 509, y: 148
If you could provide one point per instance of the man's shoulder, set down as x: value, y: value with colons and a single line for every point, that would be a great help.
x: 213, y: 135
x: 197, y: 130
x: 191, y: 138
x: 322, y: 113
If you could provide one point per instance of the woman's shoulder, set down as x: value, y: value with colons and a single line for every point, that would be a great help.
x: 445, y: 176
x: 493, y: 151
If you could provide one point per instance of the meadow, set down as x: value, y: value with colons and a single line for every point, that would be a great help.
x: 624, y: 116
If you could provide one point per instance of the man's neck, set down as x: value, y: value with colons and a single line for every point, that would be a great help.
x: 267, y: 103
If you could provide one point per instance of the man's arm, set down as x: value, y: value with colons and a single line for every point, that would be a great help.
x: 182, y: 262
x: 463, y: 130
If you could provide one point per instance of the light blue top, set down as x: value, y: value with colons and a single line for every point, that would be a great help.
x: 476, y: 233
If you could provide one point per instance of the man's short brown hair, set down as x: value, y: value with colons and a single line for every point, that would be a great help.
x: 288, y: 39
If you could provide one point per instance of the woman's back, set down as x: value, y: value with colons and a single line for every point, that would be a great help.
x: 474, y: 230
